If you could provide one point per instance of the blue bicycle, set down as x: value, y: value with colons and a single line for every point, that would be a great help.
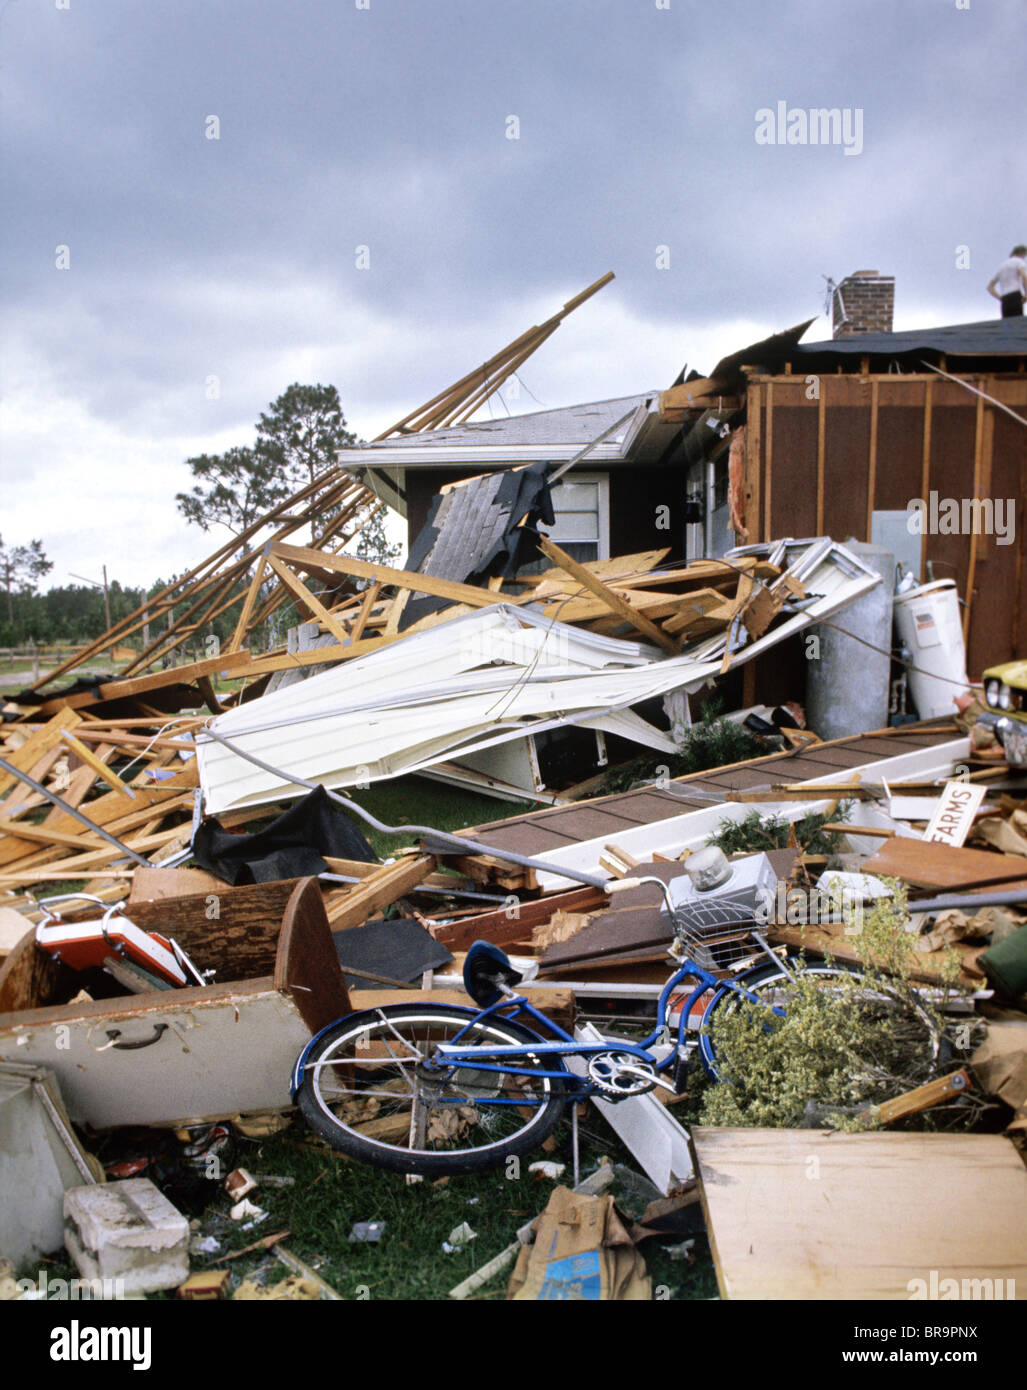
x: 437, y: 1089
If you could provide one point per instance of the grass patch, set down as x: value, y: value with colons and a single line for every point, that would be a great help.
x: 418, y: 801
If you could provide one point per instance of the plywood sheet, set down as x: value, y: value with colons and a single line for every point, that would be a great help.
x: 812, y: 1214
x: 928, y: 865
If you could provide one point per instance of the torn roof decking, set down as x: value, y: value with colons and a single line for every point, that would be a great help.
x: 540, y: 832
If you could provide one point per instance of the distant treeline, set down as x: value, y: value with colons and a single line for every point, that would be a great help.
x: 74, y: 613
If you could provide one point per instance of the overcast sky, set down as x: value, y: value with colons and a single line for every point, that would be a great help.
x: 386, y: 125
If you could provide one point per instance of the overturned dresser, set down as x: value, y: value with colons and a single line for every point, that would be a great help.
x: 194, y: 1054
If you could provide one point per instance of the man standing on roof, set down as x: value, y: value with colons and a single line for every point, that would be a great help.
x: 1009, y: 283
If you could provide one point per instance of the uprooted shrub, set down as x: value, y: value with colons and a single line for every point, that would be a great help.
x: 847, y: 1042
x: 756, y: 832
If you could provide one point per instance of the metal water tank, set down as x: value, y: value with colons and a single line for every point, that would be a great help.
x: 849, y: 667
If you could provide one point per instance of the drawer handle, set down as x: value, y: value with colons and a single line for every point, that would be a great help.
x: 159, y: 1029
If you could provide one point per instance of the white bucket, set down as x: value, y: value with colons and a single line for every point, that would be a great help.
x: 927, y: 620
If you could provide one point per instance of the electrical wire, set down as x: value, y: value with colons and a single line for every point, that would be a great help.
x: 445, y: 841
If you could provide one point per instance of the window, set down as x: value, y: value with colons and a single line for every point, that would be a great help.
x: 581, y: 502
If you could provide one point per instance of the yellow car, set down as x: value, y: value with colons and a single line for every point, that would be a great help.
x: 1005, y: 689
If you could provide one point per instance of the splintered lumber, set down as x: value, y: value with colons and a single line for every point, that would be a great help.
x: 378, y: 891
x: 38, y: 744
x: 612, y: 599
x: 516, y: 922
x: 927, y: 864
x: 699, y: 612
x: 811, y: 1214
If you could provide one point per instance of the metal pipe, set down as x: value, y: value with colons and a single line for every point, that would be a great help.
x: 1007, y: 898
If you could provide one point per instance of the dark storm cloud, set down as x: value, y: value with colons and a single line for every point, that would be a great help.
x: 386, y: 128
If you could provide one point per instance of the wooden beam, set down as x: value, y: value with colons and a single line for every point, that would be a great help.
x: 302, y: 556
x: 925, y: 469
x: 753, y: 461
x: 609, y: 597
x: 821, y: 446
x: 247, y: 609
x: 972, y: 569
x: 396, y: 612
x: 872, y: 459
x: 309, y: 600
x: 360, y: 621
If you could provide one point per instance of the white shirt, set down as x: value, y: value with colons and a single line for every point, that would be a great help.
x: 1007, y: 277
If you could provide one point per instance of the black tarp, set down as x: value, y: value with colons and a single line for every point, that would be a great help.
x: 292, y: 846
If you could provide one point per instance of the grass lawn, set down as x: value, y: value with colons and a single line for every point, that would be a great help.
x: 331, y: 1193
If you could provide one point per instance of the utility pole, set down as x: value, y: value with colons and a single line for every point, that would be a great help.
x: 106, y: 597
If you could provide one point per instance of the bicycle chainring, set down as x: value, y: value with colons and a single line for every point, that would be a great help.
x: 621, y: 1074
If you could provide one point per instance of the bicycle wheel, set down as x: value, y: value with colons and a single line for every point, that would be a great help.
x: 895, y: 1040
x: 370, y: 1090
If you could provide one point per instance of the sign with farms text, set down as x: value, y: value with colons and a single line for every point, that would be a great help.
x: 955, y: 813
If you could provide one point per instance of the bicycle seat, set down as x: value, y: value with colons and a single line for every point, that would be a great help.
x: 485, y: 967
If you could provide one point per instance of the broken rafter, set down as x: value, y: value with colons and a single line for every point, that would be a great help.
x: 465, y: 395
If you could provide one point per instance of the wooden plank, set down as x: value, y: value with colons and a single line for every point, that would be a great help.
x: 926, y: 864
x: 396, y: 608
x: 379, y: 891
x: 303, y: 556
x: 262, y: 666
x: 753, y: 459
x: 812, y: 1215
x: 100, y: 768
x: 360, y: 621
x: 507, y: 924
x: 830, y: 939
x: 609, y: 597
x: 936, y: 1092
x: 46, y: 836
x: 626, y: 567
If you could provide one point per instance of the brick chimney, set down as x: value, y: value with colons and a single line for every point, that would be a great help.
x: 863, y: 303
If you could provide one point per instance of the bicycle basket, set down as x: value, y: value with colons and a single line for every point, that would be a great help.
x: 715, y: 932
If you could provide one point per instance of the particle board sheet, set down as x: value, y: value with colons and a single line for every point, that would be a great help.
x: 814, y: 1214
